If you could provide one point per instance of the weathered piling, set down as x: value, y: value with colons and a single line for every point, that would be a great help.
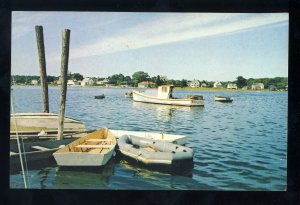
x: 63, y: 75
x: 42, y: 62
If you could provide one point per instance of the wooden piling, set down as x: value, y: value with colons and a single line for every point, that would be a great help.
x: 42, y: 62
x: 63, y: 75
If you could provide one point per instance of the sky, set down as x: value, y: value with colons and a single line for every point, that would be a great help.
x: 203, y: 46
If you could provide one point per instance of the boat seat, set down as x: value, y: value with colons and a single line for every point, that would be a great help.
x: 93, y: 146
x: 98, y: 140
x: 40, y: 148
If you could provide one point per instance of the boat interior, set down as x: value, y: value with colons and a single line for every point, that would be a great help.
x: 100, y: 141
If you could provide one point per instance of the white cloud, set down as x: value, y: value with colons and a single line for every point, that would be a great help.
x: 171, y: 28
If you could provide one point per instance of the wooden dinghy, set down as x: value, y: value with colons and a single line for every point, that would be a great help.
x: 175, y: 139
x: 223, y: 99
x: 30, y: 124
x: 35, y: 151
x: 94, y: 149
x: 153, y: 152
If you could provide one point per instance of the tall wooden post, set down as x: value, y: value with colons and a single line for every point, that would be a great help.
x: 63, y: 75
x: 42, y: 61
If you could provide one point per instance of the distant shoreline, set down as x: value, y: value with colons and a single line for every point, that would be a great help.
x: 176, y: 88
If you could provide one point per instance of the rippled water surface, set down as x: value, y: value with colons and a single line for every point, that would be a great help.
x: 238, y: 146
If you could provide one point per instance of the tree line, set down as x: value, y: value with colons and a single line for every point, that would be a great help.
x: 139, y: 76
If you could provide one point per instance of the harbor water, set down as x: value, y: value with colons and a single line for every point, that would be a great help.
x: 238, y: 146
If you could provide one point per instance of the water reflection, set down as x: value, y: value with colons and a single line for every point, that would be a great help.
x: 150, y: 171
x: 84, y: 177
x: 166, y: 112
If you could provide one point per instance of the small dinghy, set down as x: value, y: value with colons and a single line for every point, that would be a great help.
x: 223, y: 99
x: 95, y: 149
x: 153, y: 152
x: 100, y: 96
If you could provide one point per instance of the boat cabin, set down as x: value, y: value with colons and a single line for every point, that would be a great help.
x: 165, y: 91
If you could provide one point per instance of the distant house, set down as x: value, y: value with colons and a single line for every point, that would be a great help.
x: 87, y: 82
x: 231, y: 86
x: 245, y: 88
x: 203, y: 85
x: 286, y: 87
x: 217, y: 84
x: 146, y: 84
x: 124, y: 84
x: 258, y: 86
x: 272, y: 87
x: 194, y: 83
x: 34, y: 82
x: 72, y: 82
x: 102, y: 82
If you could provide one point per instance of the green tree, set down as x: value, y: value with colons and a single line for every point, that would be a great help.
x: 158, y: 81
x: 140, y: 76
x: 77, y: 76
x: 241, y: 81
x: 183, y: 83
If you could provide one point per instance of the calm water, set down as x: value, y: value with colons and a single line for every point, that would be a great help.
x: 238, y: 146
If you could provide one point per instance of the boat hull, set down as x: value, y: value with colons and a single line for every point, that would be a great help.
x: 175, y: 139
x: 34, y: 154
x: 153, y: 152
x: 94, y: 149
x: 139, y: 97
x: 223, y: 99
x: 33, y: 123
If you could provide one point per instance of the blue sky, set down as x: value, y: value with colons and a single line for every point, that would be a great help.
x: 204, y: 46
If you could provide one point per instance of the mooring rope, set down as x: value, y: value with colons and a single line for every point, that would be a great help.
x: 19, y: 147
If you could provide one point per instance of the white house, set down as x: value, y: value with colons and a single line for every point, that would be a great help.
x: 195, y: 83
x: 231, y: 86
x: 146, y: 84
x: 72, y: 82
x: 245, y: 88
x: 87, y: 82
x: 217, y: 84
x: 203, y: 85
x: 102, y: 82
x: 258, y: 86
x: 34, y: 82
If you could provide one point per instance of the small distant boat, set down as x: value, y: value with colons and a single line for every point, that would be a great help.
x: 153, y: 152
x: 223, y: 99
x: 165, y: 96
x: 128, y: 94
x: 175, y: 139
x: 94, y: 149
x: 100, y: 96
x: 35, y: 151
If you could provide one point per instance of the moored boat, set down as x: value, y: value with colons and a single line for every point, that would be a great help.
x: 172, y: 138
x: 100, y: 96
x: 223, y: 99
x: 153, y: 152
x: 31, y: 124
x: 165, y: 96
x: 35, y: 151
x: 94, y: 149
